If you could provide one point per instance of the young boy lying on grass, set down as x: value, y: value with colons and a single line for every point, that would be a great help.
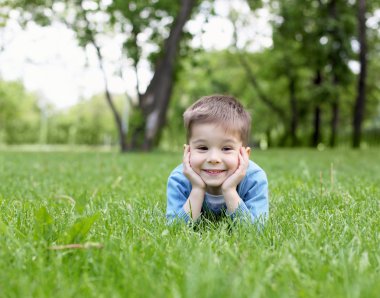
x: 216, y: 176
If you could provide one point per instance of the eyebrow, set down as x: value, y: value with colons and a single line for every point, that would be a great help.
x: 204, y: 141
x: 199, y: 141
x: 229, y: 141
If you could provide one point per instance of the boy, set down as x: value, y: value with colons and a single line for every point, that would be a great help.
x: 216, y: 175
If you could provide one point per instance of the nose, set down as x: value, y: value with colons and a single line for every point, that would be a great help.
x: 213, y: 157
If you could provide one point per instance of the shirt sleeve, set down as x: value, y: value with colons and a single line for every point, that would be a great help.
x: 177, y: 193
x: 253, y: 193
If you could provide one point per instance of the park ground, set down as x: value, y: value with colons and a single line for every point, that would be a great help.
x: 322, y: 238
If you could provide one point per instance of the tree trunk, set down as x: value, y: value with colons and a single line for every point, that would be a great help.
x: 269, y: 137
x: 316, y: 138
x: 317, y: 126
x: 154, y: 102
x: 361, y: 92
x: 334, y: 60
x: 334, y: 123
x: 118, y: 120
x: 294, y: 112
x: 116, y: 115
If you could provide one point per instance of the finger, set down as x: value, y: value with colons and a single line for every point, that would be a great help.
x: 186, y: 152
x: 186, y: 159
x: 244, y: 158
x: 245, y: 153
x: 245, y: 162
x: 186, y: 165
x: 188, y: 155
x: 241, y: 161
x: 240, y: 155
x: 185, y: 149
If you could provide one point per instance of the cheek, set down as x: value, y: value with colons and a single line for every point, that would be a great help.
x: 195, y: 161
x: 233, y: 162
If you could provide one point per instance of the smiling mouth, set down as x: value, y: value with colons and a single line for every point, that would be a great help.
x: 213, y: 172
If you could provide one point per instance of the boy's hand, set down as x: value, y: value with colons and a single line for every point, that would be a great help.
x: 232, y: 182
x: 195, y: 179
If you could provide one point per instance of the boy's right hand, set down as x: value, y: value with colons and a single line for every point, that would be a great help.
x: 195, y: 179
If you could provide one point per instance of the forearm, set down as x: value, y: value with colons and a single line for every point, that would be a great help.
x: 232, y: 200
x: 193, y: 205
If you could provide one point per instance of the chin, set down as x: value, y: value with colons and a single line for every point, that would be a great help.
x: 214, y: 184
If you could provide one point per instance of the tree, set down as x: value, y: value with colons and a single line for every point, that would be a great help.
x: 154, y: 102
x: 361, y: 89
x: 265, y: 97
x: 151, y: 18
x: 322, y: 30
x: 161, y: 21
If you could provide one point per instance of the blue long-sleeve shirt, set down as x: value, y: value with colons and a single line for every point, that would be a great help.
x: 253, y: 192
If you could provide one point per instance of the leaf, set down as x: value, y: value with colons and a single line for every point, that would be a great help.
x: 3, y: 228
x: 43, y: 224
x: 80, y: 229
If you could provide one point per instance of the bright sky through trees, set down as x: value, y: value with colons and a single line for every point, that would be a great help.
x: 49, y: 62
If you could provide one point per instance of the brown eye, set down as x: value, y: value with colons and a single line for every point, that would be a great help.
x: 202, y: 148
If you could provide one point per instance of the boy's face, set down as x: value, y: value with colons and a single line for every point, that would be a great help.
x: 214, y: 154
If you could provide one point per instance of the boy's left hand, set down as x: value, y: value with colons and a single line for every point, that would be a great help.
x: 232, y: 182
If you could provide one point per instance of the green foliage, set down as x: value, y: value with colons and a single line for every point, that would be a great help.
x: 19, y: 114
x: 151, y: 19
x: 43, y: 224
x: 221, y: 72
x: 46, y: 232
x: 78, y: 232
x: 90, y: 122
x: 321, y: 239
x: 202, y: 74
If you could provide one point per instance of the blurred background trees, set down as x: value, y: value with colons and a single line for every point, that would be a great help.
x: 316, y: 85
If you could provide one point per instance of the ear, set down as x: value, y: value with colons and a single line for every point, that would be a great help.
x: 248, y: 150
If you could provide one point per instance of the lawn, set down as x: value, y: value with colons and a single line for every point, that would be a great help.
x: 322, y: 238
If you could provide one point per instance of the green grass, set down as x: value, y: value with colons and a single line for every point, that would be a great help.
x: 322, y: 238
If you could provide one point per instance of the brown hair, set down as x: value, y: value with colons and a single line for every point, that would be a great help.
x: 221, y: 109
